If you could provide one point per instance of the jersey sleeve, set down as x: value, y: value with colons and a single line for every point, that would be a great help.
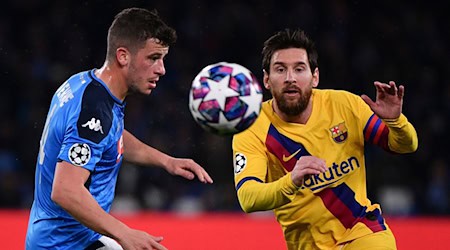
x: 393, y: 135
x: 86, y: 130
x: 402, y: 136
x: 250, y: 162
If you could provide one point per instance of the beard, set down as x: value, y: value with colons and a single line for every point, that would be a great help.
x: 293, y: 107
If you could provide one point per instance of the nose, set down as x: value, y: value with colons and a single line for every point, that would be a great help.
x: 160, y: 69
x: 290, y: 76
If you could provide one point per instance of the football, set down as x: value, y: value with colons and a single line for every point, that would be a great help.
x: 225, y: 98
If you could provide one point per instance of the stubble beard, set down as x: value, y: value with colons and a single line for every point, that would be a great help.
x: 133, y: 86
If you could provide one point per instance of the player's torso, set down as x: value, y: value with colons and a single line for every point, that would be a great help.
x: 91, y: 140
x: 326, y: 204
x: 69, y: 124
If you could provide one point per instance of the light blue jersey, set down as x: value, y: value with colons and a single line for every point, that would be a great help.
x: 84, y: 127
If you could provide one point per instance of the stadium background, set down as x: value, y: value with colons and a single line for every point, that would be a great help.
x: 44, y: 42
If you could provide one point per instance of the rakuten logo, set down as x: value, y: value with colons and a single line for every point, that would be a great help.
x: 334, y: 173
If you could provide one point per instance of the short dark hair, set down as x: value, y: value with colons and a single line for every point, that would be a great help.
x: 132, y: 27
x: 286, y: 39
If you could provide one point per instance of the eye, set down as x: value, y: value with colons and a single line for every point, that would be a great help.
x: 154, y: 57
x: 279, y: 69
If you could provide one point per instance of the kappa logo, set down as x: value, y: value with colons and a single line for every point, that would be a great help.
x: 288, y: 158
x: 94, y: 124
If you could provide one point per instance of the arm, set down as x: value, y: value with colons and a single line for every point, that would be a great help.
x: 139, y: 153
x: 251, y: 166
x: 258, y: 196
x: 400, y: 135
x: 255, y: 196
x: 69, y: 192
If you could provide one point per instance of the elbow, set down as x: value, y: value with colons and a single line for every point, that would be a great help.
x: 60, y: 196
x: 414, y: 143
x: 246, y: 205
x: 57, y: 196
x: 405, y: 147
x: 413, y: 146
x: 246, y: 208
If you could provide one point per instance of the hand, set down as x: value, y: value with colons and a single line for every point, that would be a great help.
x: 305, y: 166
x: 139, y: 240
x: 188, y: 169
x: 389, y: 102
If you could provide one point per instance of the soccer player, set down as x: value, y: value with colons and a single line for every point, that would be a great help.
x: 84, y: 142
x: 304, y: 155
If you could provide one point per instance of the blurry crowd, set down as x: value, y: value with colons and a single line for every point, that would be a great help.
x: 42, y: 43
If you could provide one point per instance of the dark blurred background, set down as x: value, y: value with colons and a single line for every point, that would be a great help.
x: 42, y: 43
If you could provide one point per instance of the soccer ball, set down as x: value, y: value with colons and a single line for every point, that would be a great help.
x: 225, y: 98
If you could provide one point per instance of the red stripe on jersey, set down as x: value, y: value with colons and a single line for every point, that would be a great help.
x: 276, y: 148
x: 384, y: 140
x: 370, y: 126
x: 340, y: 201
x: 376, y: 223
x: 337, y: 208
x: 379, y: 132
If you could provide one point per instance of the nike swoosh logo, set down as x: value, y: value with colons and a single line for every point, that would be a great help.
x: 286, y: 159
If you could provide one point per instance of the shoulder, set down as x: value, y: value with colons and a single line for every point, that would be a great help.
x: 95, y: 114
x: 337, y: 97
x: 260, y: 127
x: 334, y: 94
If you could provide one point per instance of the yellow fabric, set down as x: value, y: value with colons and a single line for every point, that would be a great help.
x: 334, y: 132
x: 383, y: 240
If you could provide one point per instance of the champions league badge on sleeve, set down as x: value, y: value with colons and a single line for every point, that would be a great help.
x: 79, y: 154
x: 240, y: 161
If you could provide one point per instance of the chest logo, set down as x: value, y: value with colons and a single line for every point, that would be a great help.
x: 287, y: 158
x: 339, y: 132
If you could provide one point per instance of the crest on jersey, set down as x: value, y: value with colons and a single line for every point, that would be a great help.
x: 79, y: 154
x: 240, y: 161
x: 339, y: 132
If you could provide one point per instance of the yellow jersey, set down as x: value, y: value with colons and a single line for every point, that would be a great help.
x: 329, y: 208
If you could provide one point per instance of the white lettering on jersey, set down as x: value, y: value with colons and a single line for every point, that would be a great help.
x: 83, y: 81
x: 64, y: 93
x: 94, y: 124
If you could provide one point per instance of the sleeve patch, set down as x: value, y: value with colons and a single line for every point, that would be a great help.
x: 96, y: 113
x: 79, y: 154
x: 240, y: 161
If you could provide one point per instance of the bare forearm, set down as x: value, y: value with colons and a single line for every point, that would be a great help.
x: 139, y: 153
x: 79, y: 203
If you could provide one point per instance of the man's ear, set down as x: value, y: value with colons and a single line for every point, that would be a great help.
x: 315, y: 81
x: 122, y: 56
x: 266, y: 79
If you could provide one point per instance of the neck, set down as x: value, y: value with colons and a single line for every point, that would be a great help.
x: 114, y: 79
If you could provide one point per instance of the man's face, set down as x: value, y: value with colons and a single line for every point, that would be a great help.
x: 290, y: 80
x: 146, y: 67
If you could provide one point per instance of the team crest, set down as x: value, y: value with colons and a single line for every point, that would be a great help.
x: 339, y: 132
